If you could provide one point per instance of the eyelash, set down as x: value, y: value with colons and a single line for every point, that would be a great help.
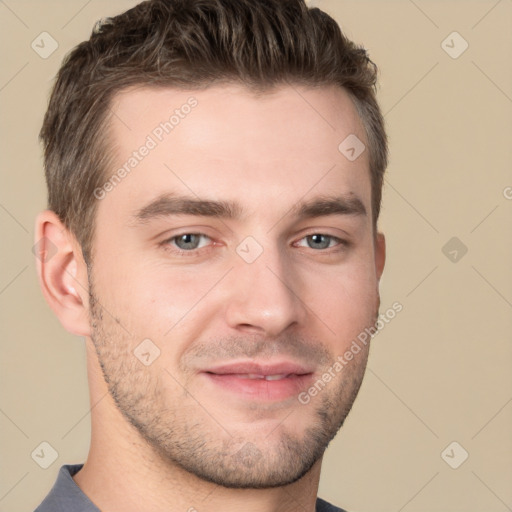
x: 340, y: 245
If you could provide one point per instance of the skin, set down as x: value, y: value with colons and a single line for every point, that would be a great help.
x: 164, y: 436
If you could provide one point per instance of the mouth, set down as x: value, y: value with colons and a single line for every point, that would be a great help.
x: 256, y: 376
x: 263, y: 382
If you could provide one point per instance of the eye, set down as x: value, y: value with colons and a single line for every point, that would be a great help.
x: 321, y: 241
x: 188, y: 241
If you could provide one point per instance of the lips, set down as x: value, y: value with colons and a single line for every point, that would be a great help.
x: 261, y: 381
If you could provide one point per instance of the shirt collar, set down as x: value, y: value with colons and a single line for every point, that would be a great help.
x: 65, y: 495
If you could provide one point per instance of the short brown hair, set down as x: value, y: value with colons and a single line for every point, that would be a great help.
x: 192, y: 44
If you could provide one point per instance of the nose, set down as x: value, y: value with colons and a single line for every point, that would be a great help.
x: 264, y: 296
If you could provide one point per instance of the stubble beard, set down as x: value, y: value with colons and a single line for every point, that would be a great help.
x: 182, y: 433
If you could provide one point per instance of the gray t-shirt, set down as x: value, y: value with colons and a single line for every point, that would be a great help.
x: 66, y: 496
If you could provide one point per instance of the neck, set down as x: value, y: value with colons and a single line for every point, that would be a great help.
x: 123, y: 472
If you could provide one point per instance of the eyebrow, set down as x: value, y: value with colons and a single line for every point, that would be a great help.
x: 338, y: 205
x: 172, y: 204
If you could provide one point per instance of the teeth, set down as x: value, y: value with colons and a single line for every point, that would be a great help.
x: 275, y: 377
x: 266, y: 377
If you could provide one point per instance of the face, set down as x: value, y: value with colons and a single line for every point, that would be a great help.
x: 234, y: 261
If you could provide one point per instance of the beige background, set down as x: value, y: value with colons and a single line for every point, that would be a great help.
x: 439, y: 372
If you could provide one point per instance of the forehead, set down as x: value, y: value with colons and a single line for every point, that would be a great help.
x: 284, y: 114
x: 225, y: 142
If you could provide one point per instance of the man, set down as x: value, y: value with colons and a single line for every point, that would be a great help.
x: 214, y: 171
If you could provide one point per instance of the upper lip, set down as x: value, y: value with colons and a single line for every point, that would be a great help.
x: 252, y: 367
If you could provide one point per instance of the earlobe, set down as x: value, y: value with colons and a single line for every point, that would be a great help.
x: 62, y: 273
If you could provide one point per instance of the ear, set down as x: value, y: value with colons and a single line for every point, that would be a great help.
x: 380, y: 259
x: 380, y: 254
x: 62, y: 273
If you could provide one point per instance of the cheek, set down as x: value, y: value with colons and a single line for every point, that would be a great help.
x: 153, y: 300
x: 344, y: 301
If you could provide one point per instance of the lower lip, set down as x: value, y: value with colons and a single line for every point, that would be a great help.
x: 261, y: 389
